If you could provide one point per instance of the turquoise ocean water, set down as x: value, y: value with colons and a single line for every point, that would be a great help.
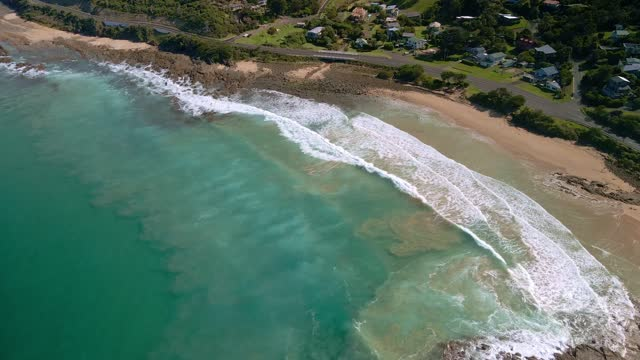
x: 133, y: 226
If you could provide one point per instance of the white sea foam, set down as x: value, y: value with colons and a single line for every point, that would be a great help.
x: 26, y: 71
x: 543, y: 258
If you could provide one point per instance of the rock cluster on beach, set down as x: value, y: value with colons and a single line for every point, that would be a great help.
x: 600, y: 188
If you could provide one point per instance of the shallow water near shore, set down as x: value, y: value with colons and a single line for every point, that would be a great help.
x: 321, y: 233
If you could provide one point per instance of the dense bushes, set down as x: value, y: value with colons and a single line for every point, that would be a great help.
x: 292, y: 7
x: 500, y: 100
x: 625, y: 125
x: 537, y: 122
x: 385, y: 75
x: 409, y: 73
x: 198, y: 16
x: 206, y: 50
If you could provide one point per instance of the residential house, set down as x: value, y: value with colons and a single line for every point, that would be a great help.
x: 528, y: 78
x: 508, y: 63
x: 551, y: 4
x: 617, y: 87
x: 435, y: 28
x: 632, y: 69
x: 361, y: 43
x: 359, y: 15
x: 477, y: 53
x: 632, y: 49
x: 546, y: 73
x: 630, y: 61
x: 492, y: 59
x: 315, y: 33
x: 546, y: 50
x: 390, y: 19
x: 392, y: 32
x: 508, y: 19
x: 552, y: 86
x: 393, y: 24
x: 524, y: 43
x: 416, y: 44
x: 393, y: 10
x: 618, y: 35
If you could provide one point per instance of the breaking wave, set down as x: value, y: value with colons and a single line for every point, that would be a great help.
x: 541, y: 258
x: 25, y: 70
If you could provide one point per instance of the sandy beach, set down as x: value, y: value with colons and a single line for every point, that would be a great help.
x: 13, y: 28
x: 553, y: 154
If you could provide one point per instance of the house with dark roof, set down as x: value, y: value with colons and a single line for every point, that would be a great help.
x: 617, y: 87
x: 524, y: 43
x: 549, y: 72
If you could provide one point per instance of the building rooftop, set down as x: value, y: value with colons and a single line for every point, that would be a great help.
x: 509, y: 16
x: 631, y: 68
x: 547, y: 71
x: 619, y: 33
x: 546, y: 49
x: 316, y: 30
x: 619, y: 80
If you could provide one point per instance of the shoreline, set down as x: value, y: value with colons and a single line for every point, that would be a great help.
x: 29, y: 33
x: 302, y: 79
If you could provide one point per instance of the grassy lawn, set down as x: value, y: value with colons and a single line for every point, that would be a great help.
x: 542, y: 93
x: 521, y: 25
x: 419, y: 32
x: 493, y: 73
x: 263, y: 38
x: 422, y: 5
x: 310, y: 46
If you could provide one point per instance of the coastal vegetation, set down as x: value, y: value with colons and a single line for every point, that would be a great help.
x: 499, y: 100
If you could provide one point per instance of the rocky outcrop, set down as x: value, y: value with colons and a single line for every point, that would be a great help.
x: 4, y: 55
x: 460, y: 350
x: 601, y: 189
